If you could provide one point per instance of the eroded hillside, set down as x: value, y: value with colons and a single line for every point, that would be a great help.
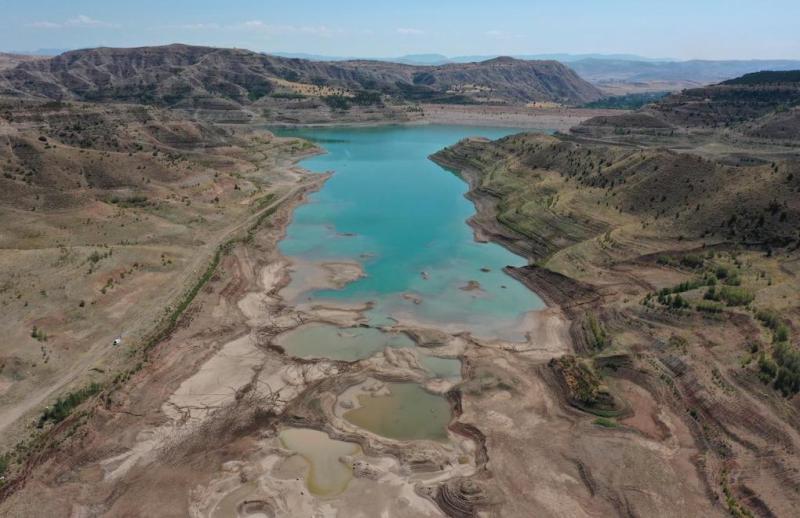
x: 110, y: 212
x: 675, y: 255
x: 239, y: 85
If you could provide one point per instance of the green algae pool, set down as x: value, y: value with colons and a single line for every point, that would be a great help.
x: 407, y: 413
x: 403, y: 218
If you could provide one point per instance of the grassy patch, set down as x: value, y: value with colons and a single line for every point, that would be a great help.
x: 606, y: 422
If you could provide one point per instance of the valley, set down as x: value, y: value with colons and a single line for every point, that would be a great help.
x: 245, y: 285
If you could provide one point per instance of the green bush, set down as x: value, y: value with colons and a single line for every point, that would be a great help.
x: 597, y: 334
x: 767, y: 368
x: 686, y: 286
x: 788, y: 359
x: 667, y: 260
x: 708, y: 306
x: 64, y: 406
x: 736, y: 296
x: 787, y: 381
x: 733, y: 280
x: 692, y: 261
x: 337, y: 102
x: 678, y: 302
x: 366, y: 98
x: 781, y: 333
x: 606, y: 422
x: 770, y: 318
x: 711, y: 294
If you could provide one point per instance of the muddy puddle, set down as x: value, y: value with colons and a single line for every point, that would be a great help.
x: 319, y: 340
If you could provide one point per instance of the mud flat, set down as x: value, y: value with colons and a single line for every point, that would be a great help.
x: 522, y: 117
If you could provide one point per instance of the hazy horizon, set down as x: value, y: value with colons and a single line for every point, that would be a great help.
x: 679, y: 30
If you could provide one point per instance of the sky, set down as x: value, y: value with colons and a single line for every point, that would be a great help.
x: 679, y: 29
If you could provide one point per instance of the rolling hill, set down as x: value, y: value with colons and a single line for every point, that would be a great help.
x: 182, y: 76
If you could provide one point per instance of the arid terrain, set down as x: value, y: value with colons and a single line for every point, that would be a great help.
x: 672, y: 248
x: 146, y: 306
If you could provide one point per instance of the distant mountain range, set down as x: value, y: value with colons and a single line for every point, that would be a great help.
x: 40, y: 52
x: 440, y: 59
x: 700, y: 72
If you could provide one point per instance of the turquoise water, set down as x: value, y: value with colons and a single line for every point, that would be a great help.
x: 397, y: 213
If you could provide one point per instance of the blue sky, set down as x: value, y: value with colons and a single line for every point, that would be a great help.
x: 712, y: 29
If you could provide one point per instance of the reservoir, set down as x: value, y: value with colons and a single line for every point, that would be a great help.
x: 402, y: 219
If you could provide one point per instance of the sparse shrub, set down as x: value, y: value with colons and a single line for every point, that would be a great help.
x: 38, y: 334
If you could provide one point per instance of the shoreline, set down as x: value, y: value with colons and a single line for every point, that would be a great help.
x: 517, y: 117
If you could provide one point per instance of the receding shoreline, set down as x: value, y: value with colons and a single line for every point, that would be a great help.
x: 518, y: 117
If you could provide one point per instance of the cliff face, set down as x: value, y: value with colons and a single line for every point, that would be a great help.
x: 185, y: 76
